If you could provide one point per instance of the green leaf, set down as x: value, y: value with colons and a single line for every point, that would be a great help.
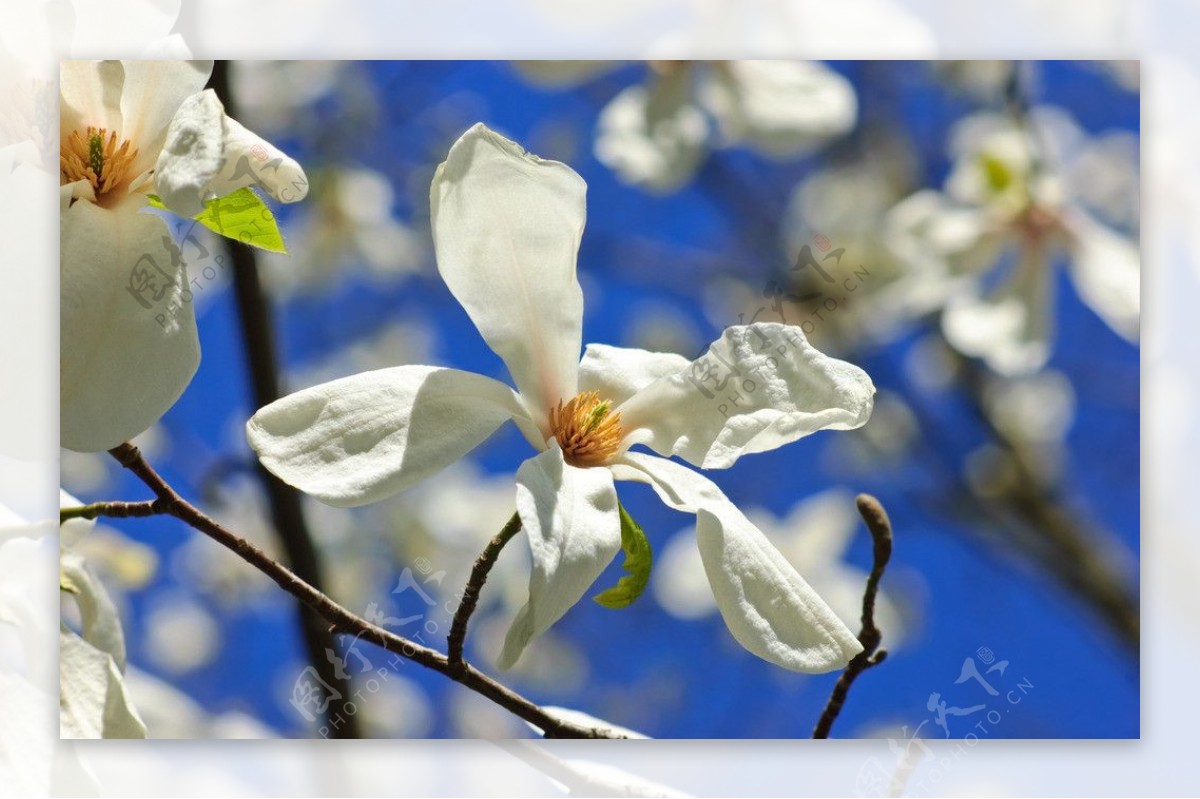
x: 241, y: 216
x: 638, y: 561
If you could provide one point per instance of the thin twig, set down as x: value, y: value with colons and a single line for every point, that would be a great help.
x: 470, y: 598
x: 339, y: 618
x: 869, y: 636
x: 114, y: 510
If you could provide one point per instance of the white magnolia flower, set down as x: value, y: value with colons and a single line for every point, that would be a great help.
x: 507, y: 227
x: 93, y: 700
x: 657, y: 134
x: 1009, y: 212
x: 129, y: 129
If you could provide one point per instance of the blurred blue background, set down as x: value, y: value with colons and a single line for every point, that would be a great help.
x: 658, y: 271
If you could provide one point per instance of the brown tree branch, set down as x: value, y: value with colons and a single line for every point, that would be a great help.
x: 869, y: 635
x: 114, y: 510
x: 470, y: 598
x: 339, y: 618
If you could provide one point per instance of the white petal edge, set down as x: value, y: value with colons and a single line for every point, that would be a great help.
x: 570, y: 519
x: 151, y: 94
x: 92, y: 698
x: 766, y: 604
x: 363, y: 438
x: 207, y: 155
x: 756, y: 388
x: 101, y: 624
x: 506, y: 229
x: 90, y: 95
x: 127, y: 354
x: 619, y: 372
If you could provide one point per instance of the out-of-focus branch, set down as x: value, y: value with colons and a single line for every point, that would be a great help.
x: 287, y: 514
x: 869, y: 635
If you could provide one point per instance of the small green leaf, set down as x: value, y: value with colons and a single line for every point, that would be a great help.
x: 638, y: 561
x: 241, y: 216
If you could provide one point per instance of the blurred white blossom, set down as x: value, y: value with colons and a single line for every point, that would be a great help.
x: 983, y: 249
x: 657, y: 134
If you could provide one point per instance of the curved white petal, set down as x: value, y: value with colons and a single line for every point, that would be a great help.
x: 780, y: 107
x: 506, y: 227
x: 1011, y: 327
x: 570, y: 517
x: 1107, y: 270
x: 92, y: 698
x: 101, y: 624
x: 152, y: 92
x: 758, y: 387
x: 766, y: 604
x: 655, y: 136
x: 90, y: 94
x: 128, y: 343
x: 206, y: 154
x: 363, y: 438
x: 619, y: 372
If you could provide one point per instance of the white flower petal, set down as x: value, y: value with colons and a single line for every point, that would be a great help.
x: 768, y: 607
x: 780, y: 107
x: 153, y: 91
x: 101, y: 624
x: 758, y: 387
x: 619, y: 372
x: 578, y: 717
x: 506, y: 227
x: 574, y: 531
x: 654, y: 137
x: 366, y: 437
x: 1107, y: 271
x: 128, y: 334
x: 90, y: 94
x: 92, y: 698
x: 206, y: 154
x: 1010, y: 328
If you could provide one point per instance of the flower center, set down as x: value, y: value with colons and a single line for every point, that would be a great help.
x: 587, y: 429
x: 96, y: 156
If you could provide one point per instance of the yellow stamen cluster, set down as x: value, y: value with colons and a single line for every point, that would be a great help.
x: 96, y: 156
x: 586, y: 429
